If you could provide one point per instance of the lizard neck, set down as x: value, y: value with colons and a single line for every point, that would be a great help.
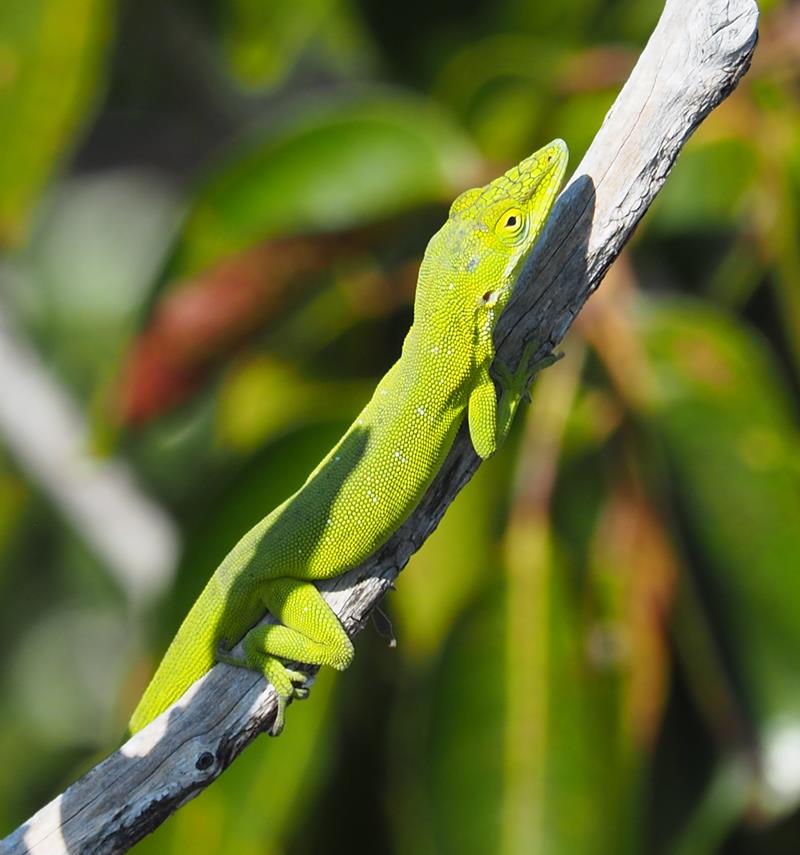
x: 440, y: 347
x: 440, y: 357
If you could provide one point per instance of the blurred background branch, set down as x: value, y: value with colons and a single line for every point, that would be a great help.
x: 39, y: 425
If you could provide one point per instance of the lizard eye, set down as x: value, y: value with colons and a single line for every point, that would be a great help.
x: 511, y: 224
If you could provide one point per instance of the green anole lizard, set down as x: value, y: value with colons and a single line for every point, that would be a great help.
x: 375, y: 476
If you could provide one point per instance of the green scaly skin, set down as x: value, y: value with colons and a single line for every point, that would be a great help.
x: 375, y: 476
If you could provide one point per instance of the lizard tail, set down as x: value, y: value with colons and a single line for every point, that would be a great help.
x: 190, y: 655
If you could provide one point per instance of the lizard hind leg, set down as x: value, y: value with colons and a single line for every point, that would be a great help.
x: 308, y: 632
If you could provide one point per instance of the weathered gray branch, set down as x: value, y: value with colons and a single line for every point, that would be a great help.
x: 694, y: 59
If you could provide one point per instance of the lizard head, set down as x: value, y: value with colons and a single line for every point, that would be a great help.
x: 499, y: 224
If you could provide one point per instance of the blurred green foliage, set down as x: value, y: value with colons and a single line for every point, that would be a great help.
x: 210, y: 215
x: 51, y: 74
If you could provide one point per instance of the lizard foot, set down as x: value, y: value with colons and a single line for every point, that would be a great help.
x: 516, y: 385
x: 288, y: 683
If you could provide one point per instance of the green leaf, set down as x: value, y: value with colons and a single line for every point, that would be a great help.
x: 551, y: 765
x: 734, y: 451
x: 331, y: 167
x: 51, y: 60
x: 264, y: 41
x: 262, y: 398
x: 466, y: 708
x: 707, y: 188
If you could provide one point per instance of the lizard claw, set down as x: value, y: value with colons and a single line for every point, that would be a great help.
x: 297, y: 693
x: 280, y: 717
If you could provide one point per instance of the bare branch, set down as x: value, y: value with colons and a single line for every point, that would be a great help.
x: 694, y: 59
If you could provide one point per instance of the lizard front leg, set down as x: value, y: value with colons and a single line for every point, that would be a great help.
x: 490, y: 422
